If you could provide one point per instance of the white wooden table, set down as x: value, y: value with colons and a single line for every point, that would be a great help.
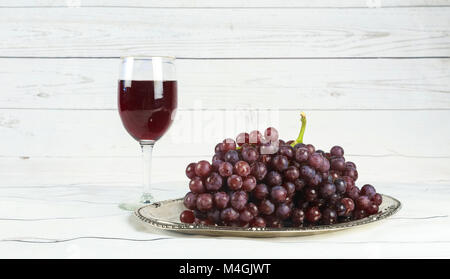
x: 373, y: 76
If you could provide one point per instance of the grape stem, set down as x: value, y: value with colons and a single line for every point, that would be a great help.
x: 302, y: 130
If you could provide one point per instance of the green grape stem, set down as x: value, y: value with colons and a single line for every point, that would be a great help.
x: 302, y: 130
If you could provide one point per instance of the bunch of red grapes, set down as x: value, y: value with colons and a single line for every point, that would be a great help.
x: 262, y: 181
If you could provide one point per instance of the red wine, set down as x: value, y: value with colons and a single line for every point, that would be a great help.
x: 146, y: 107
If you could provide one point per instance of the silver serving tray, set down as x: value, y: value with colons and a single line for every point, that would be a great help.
x: 165, y: 215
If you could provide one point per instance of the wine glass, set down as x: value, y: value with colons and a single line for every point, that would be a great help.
x: 147, y: 101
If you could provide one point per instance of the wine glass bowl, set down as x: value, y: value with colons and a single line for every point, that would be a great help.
x: 144, y: 114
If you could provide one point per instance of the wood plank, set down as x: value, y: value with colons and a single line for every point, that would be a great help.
x: 92, y: 133
x: 117, y: 226
x: 78, y: 176
x: 217, y: 84
x: 229, y: 3
x: 66, y: 202
x: 402, y: 32
x: 182, y: 247
x: 48, y: 222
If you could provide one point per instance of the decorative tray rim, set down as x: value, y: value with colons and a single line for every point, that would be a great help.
x: 182, y: 227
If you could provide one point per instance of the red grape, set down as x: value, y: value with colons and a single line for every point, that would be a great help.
x: 196, y: 185
x: 216, y: 164
x: 229, y: 215
x: 204, y: 202
x: 301, y: 154
x: 350, y: 164
x: 265, y: 158
x: 351, y: 172
x: 372, y: 209
x: 310, y: 194
x: 259, y: 170
x: 326, y: 190
x: 287, y: 151
x: 249, y: 183
x: 333, y: 200
x: 258, y: 222
x: 359, y: 214
x: 271, y: 134
x: 238, y: 200
x: 213, y: 182
x: 273, y: 178
x: 273, y: 221
x: 246, y: 216
x: 187, y: 216
x: 225, y: 169
x: 349, y: 205
x: 202, y: 168
x: 266, y: 207
x: 313, y: 214
x: 280, y: 163
x: 337, y: 151
x: 290, y: 188
x: 363, y: 202
x: 190, y: 170
x: 242, y: 138
x: 341, y: 209
x: 255, y: 137
x: 218, y: 147
x: 377, y: 199
x: 261, y: 191
x: 311, y: 148
x: 234, y: 182
x: 221, y: 200
x: 329, y: 216
x: 283, y: 211
x: 315, y: 180
x: 250, y: 154
x: 217, y: 157
x: 213, y: 216
x: 297, y: 216
x: 368, y: 190
x: 307, y: 172
x: 278, y: 194
x: 334, y: 174
x: 325, y: 167
x: 228, y: 144
x: 242, y: 168
x: 252, y: 208
x: 349, y: 181
x: 353, y: 193
x: 338, y: 164
x: 315, y: 160
x: 231, y: 156
x: 190, y: 200
x: 341, y: 186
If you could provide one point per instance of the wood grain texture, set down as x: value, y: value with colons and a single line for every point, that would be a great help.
x: 229, y: 3
x: 47, y: 222
x: 100, y: 133
x: 218, y: 84
x: 90, y: 32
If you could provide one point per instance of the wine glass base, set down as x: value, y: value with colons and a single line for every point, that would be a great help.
x: 146, y: 199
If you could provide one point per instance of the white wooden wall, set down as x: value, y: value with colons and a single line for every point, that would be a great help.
x: 373, y: 76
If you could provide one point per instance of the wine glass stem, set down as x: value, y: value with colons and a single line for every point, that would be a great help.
x: 147, y: 148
